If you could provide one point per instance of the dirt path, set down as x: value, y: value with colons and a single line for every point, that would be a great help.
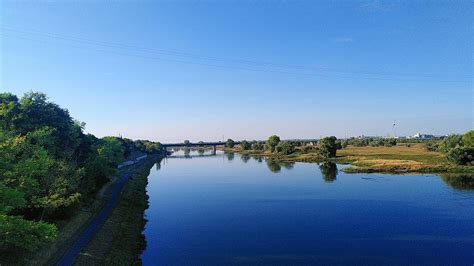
x: 113, y: 194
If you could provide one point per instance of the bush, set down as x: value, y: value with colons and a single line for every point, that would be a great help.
x: 285, y: 148
x: 230, y: 143
x: 272, y: 142
x: 17, y: 233
x: 257, y: 146
x: 461, y: 155
x: 431, y: 146
x: 329, y: 146
x: 245, y: 145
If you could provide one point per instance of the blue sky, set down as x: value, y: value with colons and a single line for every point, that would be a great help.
x: 200, y: 70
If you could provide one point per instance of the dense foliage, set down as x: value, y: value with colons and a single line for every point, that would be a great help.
x: 229, y: 143
x: 272, y: 142
x: 285, y: 147
x: 459, y: 149
x: 49, y: 167
x: 245, y: 145
x: 328, y: 147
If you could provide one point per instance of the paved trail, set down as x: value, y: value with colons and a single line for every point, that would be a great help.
x: 114, y: 191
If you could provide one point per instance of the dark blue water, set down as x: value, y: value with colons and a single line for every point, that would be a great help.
x: 233, y: 210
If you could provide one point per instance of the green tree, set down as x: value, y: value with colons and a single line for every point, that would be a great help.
x: 328, y: 147
x: 229, y: 143
x: 272, y: 142
x: 186, y: 142
x: 285, y: 147
x: 245, y: 145
x: 468, y: 139
x: 257, y: 146
x: 461, y: 155
x: 450, y: 142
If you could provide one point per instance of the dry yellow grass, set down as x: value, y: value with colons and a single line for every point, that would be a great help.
x: 400, y: 158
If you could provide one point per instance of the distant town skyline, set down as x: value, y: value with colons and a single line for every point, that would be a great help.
x: 169, y: 71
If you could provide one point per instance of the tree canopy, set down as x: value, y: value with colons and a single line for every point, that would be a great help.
x: 49, y: 167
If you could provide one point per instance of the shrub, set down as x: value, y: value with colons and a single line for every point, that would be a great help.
x: 245, y: 145
x: 285, y: 147
x: 229, y: 143
x: 461, y: 155
x: 257, y: 146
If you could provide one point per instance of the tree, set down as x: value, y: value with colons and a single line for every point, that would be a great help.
x: 461, y: 155
x: 245, y: 145
x: 186, y: 142
x: 273, y: 142
x: 468, y: 139
x: 257, y: 146
x: 450, y: 142
x: 48, y: 166
x: 230, y: 143
x: 328, y: 147
x: 285, y: 147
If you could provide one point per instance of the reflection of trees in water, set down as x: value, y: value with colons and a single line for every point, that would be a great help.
x: 201, y: 151
x: 187, y: 153
x: 288, y: 165
x: 259, y: 159
x: 461, y: 182
x: 329, y: 171
x: 230, y: 156
x: 245, y: 158
x: 273, y: 166
x: 158, y: 163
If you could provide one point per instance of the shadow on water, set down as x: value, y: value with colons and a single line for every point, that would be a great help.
x: 328, y: 171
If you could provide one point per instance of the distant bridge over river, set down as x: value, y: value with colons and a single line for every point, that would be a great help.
x: 214, y: 144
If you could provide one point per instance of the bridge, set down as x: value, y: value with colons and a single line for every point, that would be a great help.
x: 214, y: 144
x: 196, y: 144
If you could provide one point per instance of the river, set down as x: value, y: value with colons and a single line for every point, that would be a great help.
x: 230, y: 209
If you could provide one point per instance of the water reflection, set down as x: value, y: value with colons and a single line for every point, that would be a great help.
x: 329, y: 171
x: 158, y: 163
x: 245, y: 158
x: 273, y: 165
x: 291, y: 218
x: 460, y: 182
x: 230, y: 156
x: 259, y: 159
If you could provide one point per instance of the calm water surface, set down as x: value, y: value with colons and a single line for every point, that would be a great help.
x: 238, y: 210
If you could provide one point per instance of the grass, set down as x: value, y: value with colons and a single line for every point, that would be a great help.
x: 398, y: 159
x: 120, y: 240
x: 402, y: 158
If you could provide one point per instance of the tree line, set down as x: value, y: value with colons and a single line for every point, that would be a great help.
x: 327, y: 146
x: 458, y: 149
x: 49, y: 168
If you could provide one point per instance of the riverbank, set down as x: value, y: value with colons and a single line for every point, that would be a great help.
x: 120, y: 241
x: 399, y: 159
x: 70, y: 230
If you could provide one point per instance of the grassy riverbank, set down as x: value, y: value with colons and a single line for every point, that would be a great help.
x: 120, y: 240
x: 402, y: 158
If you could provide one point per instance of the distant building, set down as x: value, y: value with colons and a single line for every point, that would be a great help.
x: 423, y: 136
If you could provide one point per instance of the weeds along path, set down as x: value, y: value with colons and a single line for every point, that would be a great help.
x: 94, y: 224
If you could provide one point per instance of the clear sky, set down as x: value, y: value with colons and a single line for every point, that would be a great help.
x: 200, y: 70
